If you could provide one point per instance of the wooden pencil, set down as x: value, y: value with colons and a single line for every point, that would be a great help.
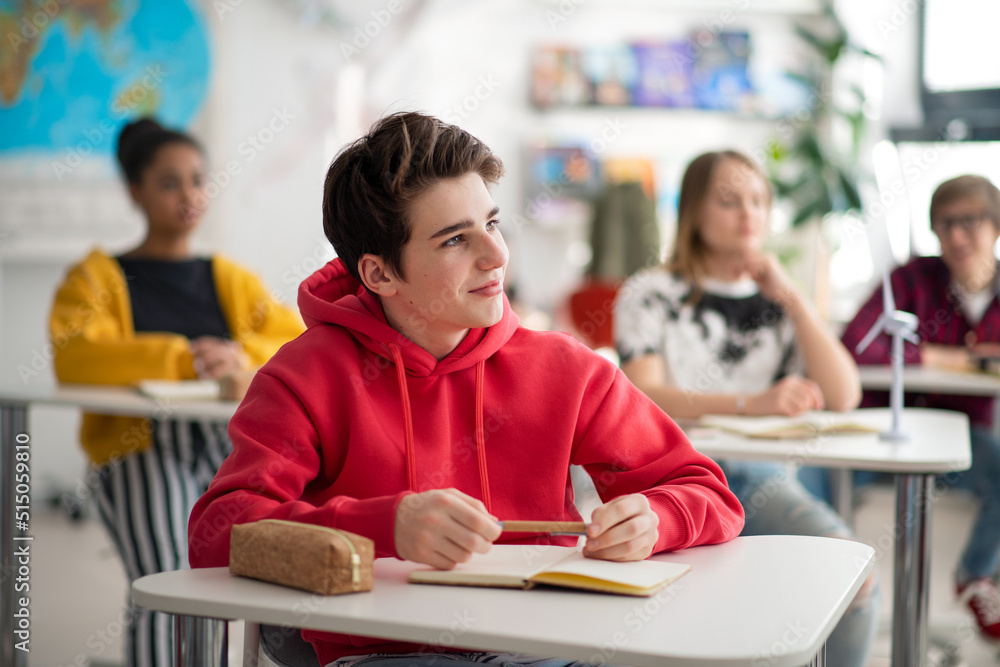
x: 563, y: 527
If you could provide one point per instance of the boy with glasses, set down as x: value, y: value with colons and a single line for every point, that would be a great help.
x: 955, y: 298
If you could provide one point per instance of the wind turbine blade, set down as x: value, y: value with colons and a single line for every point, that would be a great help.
x: 888, y: 301
x: 872, y: 333
x: 911, y: 336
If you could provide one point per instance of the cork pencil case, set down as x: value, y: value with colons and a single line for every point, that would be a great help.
x: 312, y: 558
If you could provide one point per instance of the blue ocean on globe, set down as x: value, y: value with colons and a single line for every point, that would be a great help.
x: 87, y: 74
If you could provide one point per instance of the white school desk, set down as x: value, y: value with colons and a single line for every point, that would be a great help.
x: 920, y: 379
x: 14, y: 402
x: 770, y: 600
x: 939, y: 444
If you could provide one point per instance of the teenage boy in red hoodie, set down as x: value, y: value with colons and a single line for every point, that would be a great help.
x: 415, y: 411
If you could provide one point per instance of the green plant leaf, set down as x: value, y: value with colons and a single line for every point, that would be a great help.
x: 849, y: 189
x: 810, y: 149
x: 783, y: 188
x: 808, y: 80
x: 814, y: 40
x: 807, y: 212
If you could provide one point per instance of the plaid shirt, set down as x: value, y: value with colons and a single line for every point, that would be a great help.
x: 923, y: 287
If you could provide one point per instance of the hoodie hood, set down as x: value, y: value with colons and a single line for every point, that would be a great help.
x: 333, y: 296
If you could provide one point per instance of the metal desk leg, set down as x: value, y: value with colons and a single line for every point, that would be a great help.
x: 842, y: 480
x: 820, y: 659
x: 13, y: 420
x: 200, y: 642
x: 912, y: 570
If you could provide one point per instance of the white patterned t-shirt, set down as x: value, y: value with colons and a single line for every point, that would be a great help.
x: 732, y: 340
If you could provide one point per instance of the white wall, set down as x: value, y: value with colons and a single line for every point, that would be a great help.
x: 485, y: 49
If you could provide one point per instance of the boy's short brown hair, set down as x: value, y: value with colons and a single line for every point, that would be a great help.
x: 372, y: 183
x: 966, y: 187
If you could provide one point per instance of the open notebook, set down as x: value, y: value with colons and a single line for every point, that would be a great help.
x: 523, y: 566
x: 807, y: 425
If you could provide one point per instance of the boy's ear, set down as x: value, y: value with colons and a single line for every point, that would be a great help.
x: 376, y: 276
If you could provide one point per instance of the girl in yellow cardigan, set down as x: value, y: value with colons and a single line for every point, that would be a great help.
x: 159, y: 312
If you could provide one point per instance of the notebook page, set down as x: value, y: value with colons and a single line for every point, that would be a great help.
x: 504, y: 564
x: 639, y: 574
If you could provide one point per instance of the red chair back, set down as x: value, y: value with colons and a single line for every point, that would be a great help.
x: 592, y: 311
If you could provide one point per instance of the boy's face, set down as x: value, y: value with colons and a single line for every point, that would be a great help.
x: 454, y: 263
x: 967, y: 237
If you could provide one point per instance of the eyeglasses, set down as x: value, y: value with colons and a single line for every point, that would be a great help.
x: 966, y: 223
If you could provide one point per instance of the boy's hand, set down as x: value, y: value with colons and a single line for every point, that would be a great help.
x: 622, y: 529
x: 443, y: 527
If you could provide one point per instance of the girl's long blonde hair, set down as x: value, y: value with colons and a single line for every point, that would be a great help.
x: 687, y: 259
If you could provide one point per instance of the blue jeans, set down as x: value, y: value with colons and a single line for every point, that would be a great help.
x: 777, y: 504
x: 982, y: 552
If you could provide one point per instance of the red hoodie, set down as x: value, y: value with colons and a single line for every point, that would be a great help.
x: 351, y: 416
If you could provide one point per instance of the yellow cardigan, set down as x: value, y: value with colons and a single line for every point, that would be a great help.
x: 95, y: 342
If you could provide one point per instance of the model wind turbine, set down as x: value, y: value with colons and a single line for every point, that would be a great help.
x: 899, y: 325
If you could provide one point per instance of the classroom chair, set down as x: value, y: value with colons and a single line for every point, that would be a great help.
x: 591, y: 309
x: 276, y: 646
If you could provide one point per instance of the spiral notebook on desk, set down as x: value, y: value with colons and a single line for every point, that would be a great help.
x: 525, y: 566
x: 804, y: 426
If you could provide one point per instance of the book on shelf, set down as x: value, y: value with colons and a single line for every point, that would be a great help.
x: 180, y: 390
x: 804, y: 426
x: 720, y: 75
x: 525, y: 566
x: 611, y: 74
x: 664, y: 74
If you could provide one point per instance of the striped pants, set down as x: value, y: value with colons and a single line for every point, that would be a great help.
x: 144, y: 501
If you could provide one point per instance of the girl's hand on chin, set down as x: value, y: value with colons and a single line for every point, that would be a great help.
x: 767, y: 272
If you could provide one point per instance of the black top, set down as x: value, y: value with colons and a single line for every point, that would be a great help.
x: 175, y: 297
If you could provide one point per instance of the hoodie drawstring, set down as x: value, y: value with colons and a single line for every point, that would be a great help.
x: 411, y: 475
x: 484, y: 479
x: 404, y: 392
